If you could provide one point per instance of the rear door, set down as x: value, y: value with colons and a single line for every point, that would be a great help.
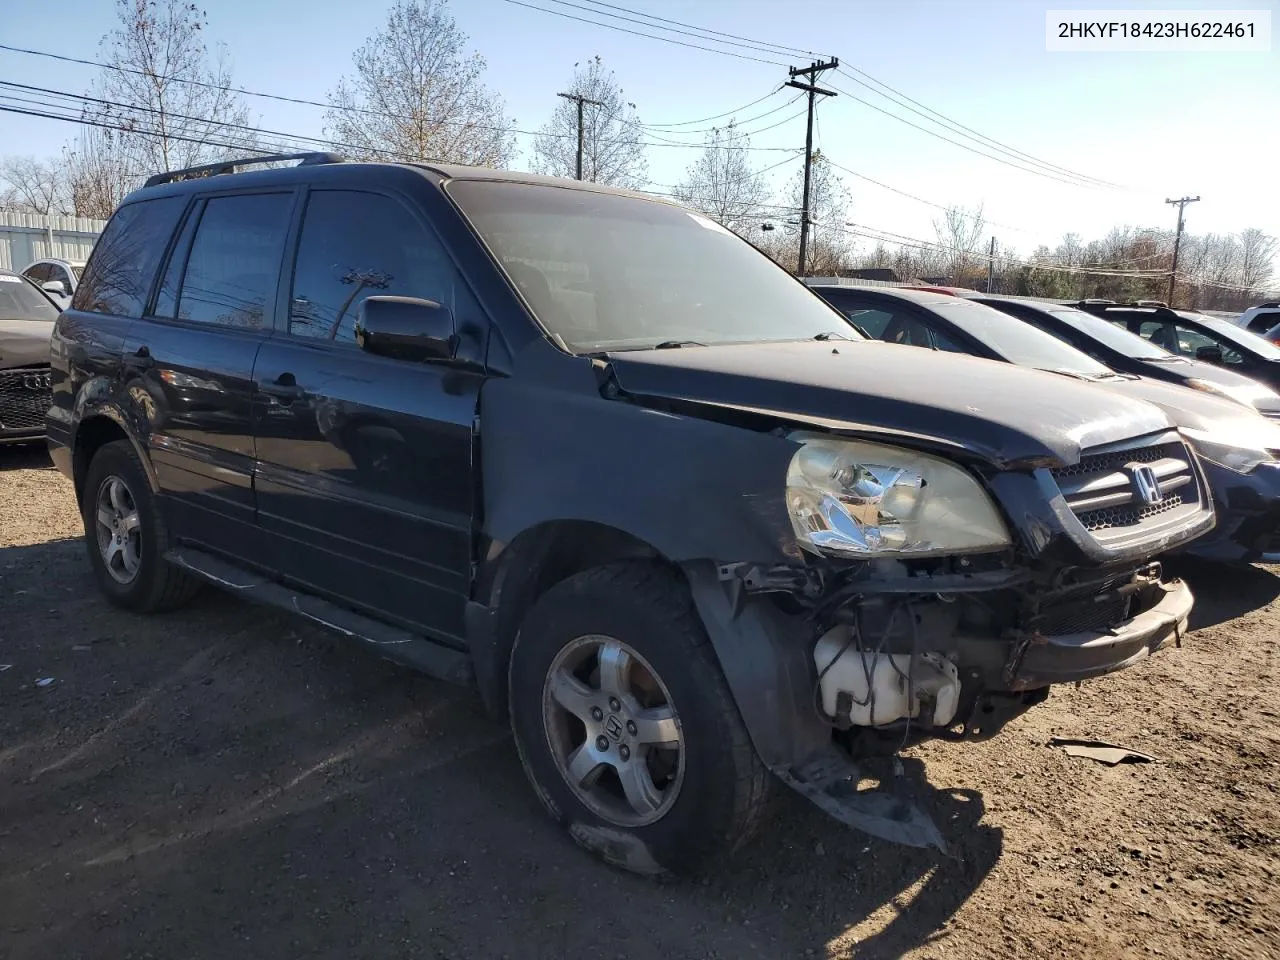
x: 191, y: 364
x: 365, y: 474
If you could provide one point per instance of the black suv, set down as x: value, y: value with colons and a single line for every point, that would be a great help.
x: 599, y: 457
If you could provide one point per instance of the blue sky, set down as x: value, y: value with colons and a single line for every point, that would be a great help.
x: 1161, y: 124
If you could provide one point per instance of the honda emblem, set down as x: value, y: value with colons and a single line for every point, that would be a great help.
x: 1145, y: 484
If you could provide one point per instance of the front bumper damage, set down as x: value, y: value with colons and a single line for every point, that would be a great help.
x: 1006, y: 636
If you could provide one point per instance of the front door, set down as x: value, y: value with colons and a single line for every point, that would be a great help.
x: 191, y: 365
x: 365, y: 474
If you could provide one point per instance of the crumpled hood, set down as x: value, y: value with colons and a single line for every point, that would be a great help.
x: 24, y: 343
x: 1002, y: 413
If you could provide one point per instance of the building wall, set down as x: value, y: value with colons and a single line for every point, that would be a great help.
x: 24, y: 237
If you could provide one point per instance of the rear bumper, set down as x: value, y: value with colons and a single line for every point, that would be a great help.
x: 1070, y: 657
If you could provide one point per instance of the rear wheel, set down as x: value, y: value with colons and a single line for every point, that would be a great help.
x: 125, y: 535
x: 625, y: 725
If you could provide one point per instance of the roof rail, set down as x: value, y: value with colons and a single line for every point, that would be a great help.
x: 235, y: 165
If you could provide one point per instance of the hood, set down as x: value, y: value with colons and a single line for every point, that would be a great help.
x: 1186, y: 407
x: 1244, y: 389
x: 1002, y: 413
x: 24, y: 343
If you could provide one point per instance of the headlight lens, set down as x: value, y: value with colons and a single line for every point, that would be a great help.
x: 855, y: 499
x: 1243, y: 453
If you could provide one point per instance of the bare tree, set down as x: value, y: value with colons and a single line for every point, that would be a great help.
x: 1257, y: 258
x: 96, y: 177
x: 830, y: 246
x: 418, y: 95
x: 723, y: 184
x: 173, y: 99
x: 32, y: 186
x: 959, y: 233
x: 612, y: 151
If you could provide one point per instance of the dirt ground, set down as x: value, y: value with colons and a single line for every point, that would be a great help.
x: 226, y: 781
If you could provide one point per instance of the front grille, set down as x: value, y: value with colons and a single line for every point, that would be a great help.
x: 25, y: 398
x: 1110, y: 491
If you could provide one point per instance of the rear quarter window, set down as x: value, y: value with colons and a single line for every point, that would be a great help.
x: 119, y: 274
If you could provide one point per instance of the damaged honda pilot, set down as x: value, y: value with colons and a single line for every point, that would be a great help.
x: 597, y: 456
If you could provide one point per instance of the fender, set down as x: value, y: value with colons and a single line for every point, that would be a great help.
x: 723, y: 497
x: 97, y: 398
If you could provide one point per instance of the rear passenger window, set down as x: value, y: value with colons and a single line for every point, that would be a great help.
x: 123, y: 265
x: 356, y: 245
x: 234, y: 264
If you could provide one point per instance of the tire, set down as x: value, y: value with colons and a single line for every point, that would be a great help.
x: 712, y: 789
x: 149, y: 583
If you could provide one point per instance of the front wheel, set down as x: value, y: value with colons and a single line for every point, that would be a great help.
x: 126, y: 536
x: 625, y: 725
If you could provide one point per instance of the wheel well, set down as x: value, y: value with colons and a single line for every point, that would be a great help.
x: 91, y: 436
x: 535, y: 562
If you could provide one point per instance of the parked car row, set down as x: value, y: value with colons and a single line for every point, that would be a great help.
x: 1219, y: 415
x: 690, y: 530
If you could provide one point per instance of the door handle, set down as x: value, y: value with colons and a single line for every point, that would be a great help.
x: 284, y: 387
x: 140, y: 359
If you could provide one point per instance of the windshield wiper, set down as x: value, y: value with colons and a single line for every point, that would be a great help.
x: 831, y: 335
x: 673, y: 344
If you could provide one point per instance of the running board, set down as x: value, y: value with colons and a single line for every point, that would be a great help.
x: 393, y: 643
x: 831, y: 782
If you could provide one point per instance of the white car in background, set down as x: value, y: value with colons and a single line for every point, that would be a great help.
x: 1260, y: 319
x: 58, y: 278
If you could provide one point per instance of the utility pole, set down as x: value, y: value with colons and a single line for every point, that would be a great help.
x: 810, y: 88
x: 1177, y: 242
x: 991, y: 266
x: 579, y: 99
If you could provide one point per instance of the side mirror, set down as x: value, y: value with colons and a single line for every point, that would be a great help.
x: 1209, y: 354
x: 55, y: 287
x: 406, y: 328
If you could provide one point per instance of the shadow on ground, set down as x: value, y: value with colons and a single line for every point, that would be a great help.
x: 225, y: 778
x: 1225, y: 591
x: 26, y: 456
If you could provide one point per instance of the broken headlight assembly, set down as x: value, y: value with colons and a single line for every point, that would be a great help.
x: 1240, y: 451
x: 862, y: 500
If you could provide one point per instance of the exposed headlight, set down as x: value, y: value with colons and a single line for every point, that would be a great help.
x: 854, y: 499
x: 1238, y: 450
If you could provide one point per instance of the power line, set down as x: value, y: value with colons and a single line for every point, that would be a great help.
x: 912, y: 196
x: 717, y: 116
x: 302, y: 101
x: 787, y: 51
x: 963, y: 146
x: 735, y: 121
x: 902, y: 100
x: 637, y: 33
x: 749, y: 45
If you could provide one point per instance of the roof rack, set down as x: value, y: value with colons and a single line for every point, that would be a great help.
x: 235, y: 165
x: 1158, y: 308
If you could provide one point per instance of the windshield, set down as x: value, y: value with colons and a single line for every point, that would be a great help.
x: 75, y: 269
x: 1016, y: 341
x: 607, y: 272
x: 1109, y: 335
x: 1237, y: 335
x: 19, y: 300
